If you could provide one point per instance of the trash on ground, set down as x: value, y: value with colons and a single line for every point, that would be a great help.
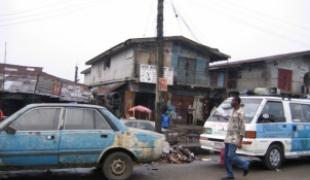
x: 178, y: 155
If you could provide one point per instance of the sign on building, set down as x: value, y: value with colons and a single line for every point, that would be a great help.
x: 163, y: 86
x: 148, y: 74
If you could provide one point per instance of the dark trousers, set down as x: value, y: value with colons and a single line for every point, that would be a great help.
x: 189, y: 119
x: 231, y: 158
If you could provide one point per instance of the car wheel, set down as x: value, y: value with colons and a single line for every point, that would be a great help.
x: 117, y: 166
x: 274, y: 157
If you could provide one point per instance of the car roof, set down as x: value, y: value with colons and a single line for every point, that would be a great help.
x: 301, y: 100
x: 63, y: 105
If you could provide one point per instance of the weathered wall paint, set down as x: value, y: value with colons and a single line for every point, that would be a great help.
x: 265, y: 74
x: 190, y: 67
x: 121, y: 67
x: 299, y: 67
x: 253, y: 76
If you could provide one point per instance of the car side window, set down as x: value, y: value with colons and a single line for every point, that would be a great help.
x: 100, y: 121
x: 83, y: 119
x: 273, y: 112
x: 300, y: 112
x: 38, y: 119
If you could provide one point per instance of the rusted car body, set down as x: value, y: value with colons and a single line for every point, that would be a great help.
x: 72, y: 135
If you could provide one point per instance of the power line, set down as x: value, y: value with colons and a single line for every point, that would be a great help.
x: 46, y: 16
x: 31, y: 10
x: 178, y: 15
x: 48, y: 10
x: 258, y: 17
x: 278, y: 21
x: 267, y: 15
x: 254, y: 26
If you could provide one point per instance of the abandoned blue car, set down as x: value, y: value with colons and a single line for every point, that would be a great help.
x: 44, y: 136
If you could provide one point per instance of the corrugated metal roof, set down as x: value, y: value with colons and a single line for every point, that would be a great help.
x: 237, y: 63
x: 214, y: 53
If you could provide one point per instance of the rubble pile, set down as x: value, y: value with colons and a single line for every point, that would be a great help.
x: 178, y: 155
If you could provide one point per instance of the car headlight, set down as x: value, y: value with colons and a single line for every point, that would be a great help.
x: 208, y: 130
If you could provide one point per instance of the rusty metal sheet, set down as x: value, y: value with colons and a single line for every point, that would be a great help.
x: 74, y: 92
x: 31, y: 80
x: 105, y: 89
x: 19, y: 84
x: 48, y: 86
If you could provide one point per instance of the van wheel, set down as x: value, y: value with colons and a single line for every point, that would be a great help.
x: 273, y: 157
x: 117, y: 166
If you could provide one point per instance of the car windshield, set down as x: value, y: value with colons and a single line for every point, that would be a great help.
x: 147, y: 126
x: 222, y: 113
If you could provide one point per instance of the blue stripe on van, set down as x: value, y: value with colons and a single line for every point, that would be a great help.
x: 301, y: 137
x: 298, y: 132
x: 274, y: 130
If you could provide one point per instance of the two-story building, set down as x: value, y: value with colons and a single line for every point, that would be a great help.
x: 125, y: 75
x: 287, y: 73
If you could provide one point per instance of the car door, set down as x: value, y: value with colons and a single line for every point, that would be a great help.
x: 85, y: 135
x: 35, y: 141
x: 301, y: 126
x: 272, y: 122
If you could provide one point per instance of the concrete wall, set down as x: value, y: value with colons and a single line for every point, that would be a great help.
x: 87, y: 78
x: 252, y: 76
x: 121, y: 67
x: 265, y: 74
x: 299, y: 67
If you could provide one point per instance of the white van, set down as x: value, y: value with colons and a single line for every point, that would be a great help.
x: 276, y: 128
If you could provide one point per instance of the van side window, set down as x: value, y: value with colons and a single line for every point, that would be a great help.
x: 300, y: 112
x: 273, y: 112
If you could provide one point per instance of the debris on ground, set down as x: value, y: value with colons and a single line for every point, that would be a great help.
x: 185, y: 134
x: 178, y: 155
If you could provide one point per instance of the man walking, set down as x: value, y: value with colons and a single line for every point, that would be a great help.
x: 233, y: 140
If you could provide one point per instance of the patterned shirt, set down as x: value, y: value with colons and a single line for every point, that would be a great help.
x: 236, y: 127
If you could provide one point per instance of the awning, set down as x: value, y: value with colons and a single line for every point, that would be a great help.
x: 140, y: 108
x: 105, y: 89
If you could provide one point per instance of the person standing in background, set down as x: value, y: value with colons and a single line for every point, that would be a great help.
x: 190, y: 111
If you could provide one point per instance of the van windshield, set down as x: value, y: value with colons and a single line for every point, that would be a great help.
x: 222, y: 113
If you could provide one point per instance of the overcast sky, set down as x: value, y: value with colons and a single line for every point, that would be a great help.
x: 58, y: 34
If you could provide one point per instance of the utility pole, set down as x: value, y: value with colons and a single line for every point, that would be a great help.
x: 4, y: 62
x: 76, y: 80
x: 160, y: 57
